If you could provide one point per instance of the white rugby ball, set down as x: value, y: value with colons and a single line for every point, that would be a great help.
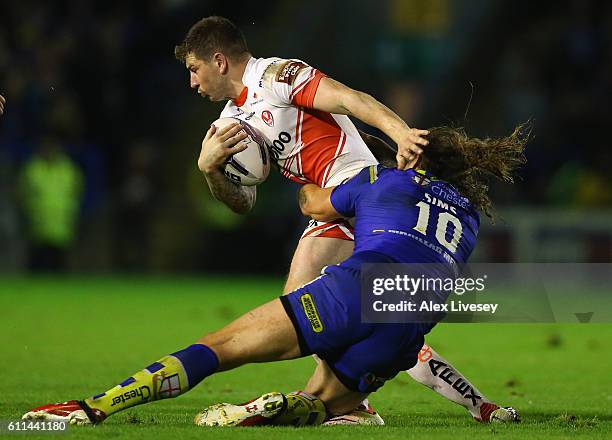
x: 251, y: 166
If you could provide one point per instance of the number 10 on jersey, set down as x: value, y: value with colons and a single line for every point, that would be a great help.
x: 442, y: 222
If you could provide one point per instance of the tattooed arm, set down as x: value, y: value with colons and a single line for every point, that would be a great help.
x: 239, y: 199
x: 217, y: 146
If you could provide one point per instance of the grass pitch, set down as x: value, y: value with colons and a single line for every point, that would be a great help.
x: 69, y: 338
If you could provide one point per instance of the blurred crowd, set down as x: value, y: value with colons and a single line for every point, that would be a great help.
x: 100, y: 135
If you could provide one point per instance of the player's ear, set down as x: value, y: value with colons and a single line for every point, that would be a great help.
x: 221, y: 62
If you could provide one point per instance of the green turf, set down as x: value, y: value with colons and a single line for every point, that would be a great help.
x: 71, y: 338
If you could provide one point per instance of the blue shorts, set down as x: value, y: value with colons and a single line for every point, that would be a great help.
x: 326, y: 314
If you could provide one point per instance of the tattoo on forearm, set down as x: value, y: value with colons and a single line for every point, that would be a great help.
x: 239, y: 199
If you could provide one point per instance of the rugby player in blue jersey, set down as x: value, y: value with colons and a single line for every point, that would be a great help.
x: 324, y: 316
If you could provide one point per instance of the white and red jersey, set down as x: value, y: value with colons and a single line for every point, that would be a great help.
x: 309, y: 146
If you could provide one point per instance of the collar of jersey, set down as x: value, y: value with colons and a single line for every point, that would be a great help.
x: 425, y: 173
x: 241, y: 99
x: 248, y: 68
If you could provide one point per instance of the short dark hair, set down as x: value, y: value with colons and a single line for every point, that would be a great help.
x: 210, y: 35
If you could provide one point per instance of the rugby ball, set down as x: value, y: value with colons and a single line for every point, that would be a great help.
x: 251, y: 166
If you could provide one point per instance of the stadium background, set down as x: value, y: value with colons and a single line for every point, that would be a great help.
x: 99, y: 80
x: 148, y: 258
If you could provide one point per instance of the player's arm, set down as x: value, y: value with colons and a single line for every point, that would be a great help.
x: 217, y: 146
x: 382, y: 151
x: 2, y: 103
x: 334, y: 97
x: 315, y: 202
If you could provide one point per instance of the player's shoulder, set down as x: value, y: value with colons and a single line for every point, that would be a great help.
x: 228, y: 110
x: 264, y: 72
x: 441, y: 192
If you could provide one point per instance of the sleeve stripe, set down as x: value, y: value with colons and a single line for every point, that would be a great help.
x: 306, y: 95
x: 301, y: 85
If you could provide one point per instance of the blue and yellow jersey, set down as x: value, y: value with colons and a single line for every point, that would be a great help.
x: 408, y: 216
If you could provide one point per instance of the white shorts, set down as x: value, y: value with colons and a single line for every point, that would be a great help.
x: 335, y: 229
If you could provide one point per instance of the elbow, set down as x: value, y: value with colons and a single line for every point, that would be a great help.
x: 247, y: 203
x: 316, y: 213
x: 307, y: 210
x: 242, y: 210
x: 323, y: 217
x: 314, y: 203
x: 305, y: 201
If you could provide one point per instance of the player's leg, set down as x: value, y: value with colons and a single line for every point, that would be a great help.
x: 311, y: 255
x: 324, y: 325
x: 324, y: 244
x: 435, y: 372
x: 337, y: 397
x: 263, y: 334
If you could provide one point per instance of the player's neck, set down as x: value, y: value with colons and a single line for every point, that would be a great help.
x: 236, y: 74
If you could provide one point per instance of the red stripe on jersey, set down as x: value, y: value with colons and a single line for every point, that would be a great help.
x: 241, y: 99
x: 321, y: 136
x: 299, y: 87
x: 286, y: 168
x: 304, y: 97
x: 336, y: 156
x: 300, y: 180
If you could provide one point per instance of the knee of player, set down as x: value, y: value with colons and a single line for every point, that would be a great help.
x: 219, y: 348
x: 212, y: 339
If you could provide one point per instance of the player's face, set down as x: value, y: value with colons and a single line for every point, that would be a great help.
x: 206, y: 78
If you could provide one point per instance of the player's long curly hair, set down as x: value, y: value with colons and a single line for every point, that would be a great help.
x: 469, y: 163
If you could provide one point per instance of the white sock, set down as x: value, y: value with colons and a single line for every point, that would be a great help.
x: 435, y: 372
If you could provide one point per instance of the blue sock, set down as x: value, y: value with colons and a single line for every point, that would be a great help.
x: 199, y: 362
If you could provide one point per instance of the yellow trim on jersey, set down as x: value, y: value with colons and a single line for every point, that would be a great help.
x: 423, y: 172
x: 373, y: 173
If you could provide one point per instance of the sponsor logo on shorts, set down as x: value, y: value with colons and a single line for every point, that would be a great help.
x: 289, y: 71
x: 311, y: 313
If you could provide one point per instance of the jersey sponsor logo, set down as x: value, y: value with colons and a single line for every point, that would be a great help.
x: 267, y: 117
x: 270, y: 73
x: 311, y: 313
x: 240, y: 112
x: 289, y: 71
x: 278, y: 146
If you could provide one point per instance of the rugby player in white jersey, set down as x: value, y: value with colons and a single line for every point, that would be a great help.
x: 304, y: 114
